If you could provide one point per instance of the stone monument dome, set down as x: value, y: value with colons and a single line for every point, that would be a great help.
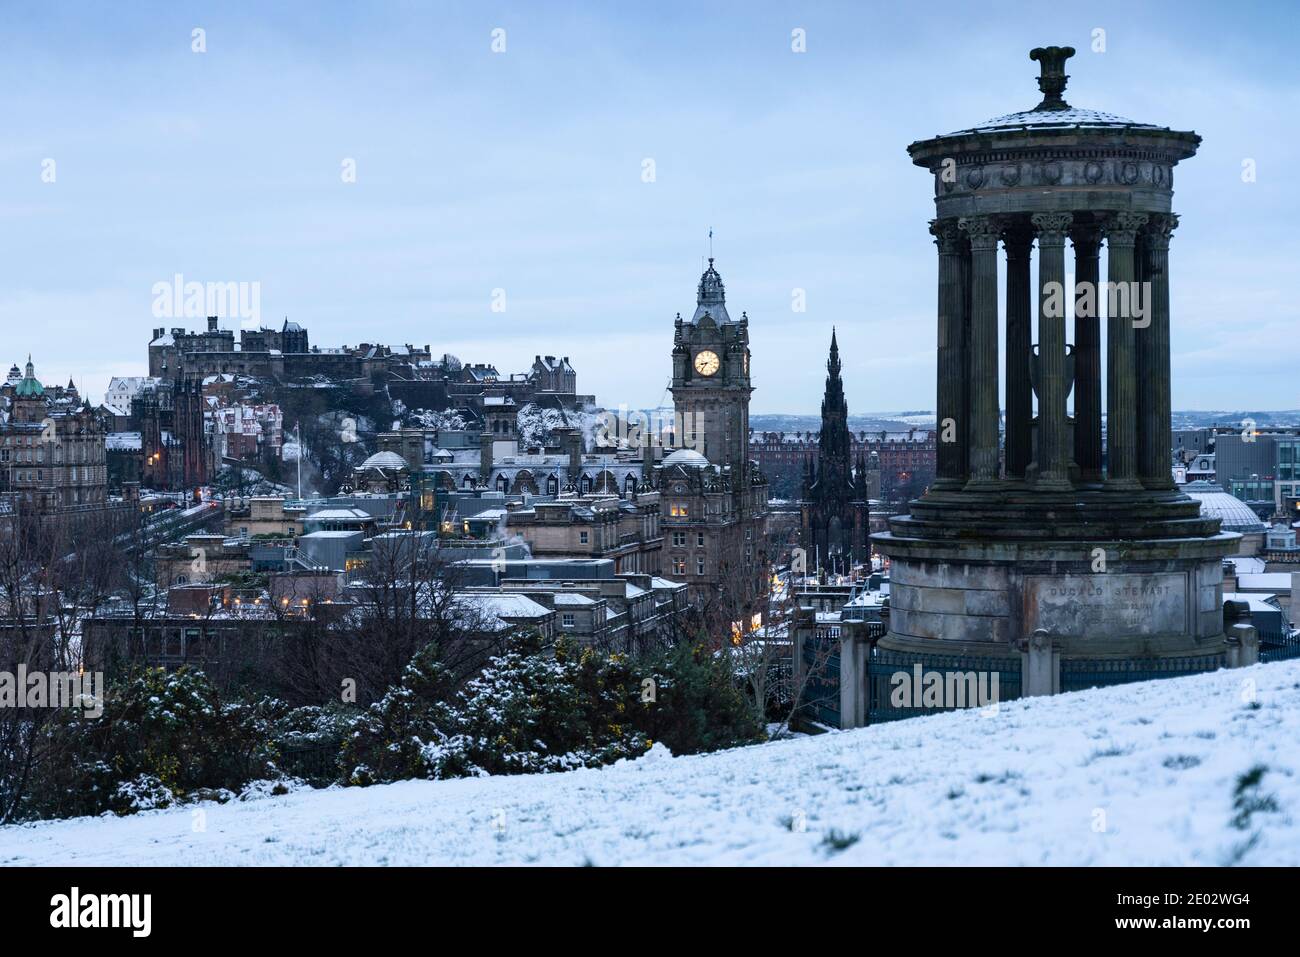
x: 1059, y: 530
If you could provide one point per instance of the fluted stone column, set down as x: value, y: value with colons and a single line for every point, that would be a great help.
x: 983, y: 232
x: 1153, y: 356
x: 1121, y: 367
x: 1052, y: 472
x: 1087, y: 354
x: 951, y: 372
x: 1019, y: 240
x: 963, y: 433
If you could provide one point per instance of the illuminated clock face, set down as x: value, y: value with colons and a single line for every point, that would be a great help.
x: 706, y: 363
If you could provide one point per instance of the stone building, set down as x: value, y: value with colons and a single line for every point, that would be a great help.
x: 264, y: 515
x: 624, y: 530
x: 174, y: 449
x: 201, y: 558
x: 1035, y: 547
x: 900, y: 464
x: 52, y: 453
x: 550, y: 374
x: 593, y: 604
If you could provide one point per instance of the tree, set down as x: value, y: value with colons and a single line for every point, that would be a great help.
x: 695, y: 703
x: 164, y: 734
x: 31, y: 641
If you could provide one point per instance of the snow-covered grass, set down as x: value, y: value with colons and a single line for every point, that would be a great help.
x: 1151, y: 774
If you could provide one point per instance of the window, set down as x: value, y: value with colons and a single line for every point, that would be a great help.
x: 699, y: 566
x: 679, y: 539
x: 583, y: 537
x: 679, y: 566
x: 679, y: 510
x: 699, y: 539
x: 568, y: 619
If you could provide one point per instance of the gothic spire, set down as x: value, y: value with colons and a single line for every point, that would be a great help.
x: 834, y: 443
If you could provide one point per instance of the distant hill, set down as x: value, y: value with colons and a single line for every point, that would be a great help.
x: 921, y: 419
x: 1288, y: 418
x: 867, y: 422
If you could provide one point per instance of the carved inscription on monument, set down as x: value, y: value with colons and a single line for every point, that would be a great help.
x: 1106, y: 605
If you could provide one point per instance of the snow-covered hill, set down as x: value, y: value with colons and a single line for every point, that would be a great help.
x: 1150, y: 774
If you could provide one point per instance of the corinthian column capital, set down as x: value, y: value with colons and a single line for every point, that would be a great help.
x: 1122, y: 228
x: 1051, y: 227
x: 983, y: 231
x: 1160, y: 228
x: 947, y: 236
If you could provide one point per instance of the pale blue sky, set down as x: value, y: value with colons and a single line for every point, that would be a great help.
x: 522, y: 171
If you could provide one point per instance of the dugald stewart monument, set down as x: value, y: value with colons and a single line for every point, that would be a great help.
x: 1068, y: 546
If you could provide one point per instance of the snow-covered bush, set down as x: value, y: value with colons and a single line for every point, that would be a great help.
x: 272, y: 787
x: 698, y: 706
x: 538, y: 708
x: 162, y: 736
x: 142, y: 793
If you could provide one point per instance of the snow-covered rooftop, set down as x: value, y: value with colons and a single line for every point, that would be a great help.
x: 340, y: 515
x: 1266, y: 581
x: 571, y: 600
x: 1054, y: 119
x: 503, y: 605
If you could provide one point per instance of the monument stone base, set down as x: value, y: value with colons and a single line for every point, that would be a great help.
x: 1104, y: 575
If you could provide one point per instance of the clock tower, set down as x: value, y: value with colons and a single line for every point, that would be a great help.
x: 711, y: 380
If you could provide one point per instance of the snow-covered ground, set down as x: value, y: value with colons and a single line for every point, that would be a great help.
x: 1142, y: 774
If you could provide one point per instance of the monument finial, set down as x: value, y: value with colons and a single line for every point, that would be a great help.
x: 1053, y: 76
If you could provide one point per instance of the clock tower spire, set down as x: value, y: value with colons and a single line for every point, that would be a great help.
x: 711, y: 385
x: 713, y: 502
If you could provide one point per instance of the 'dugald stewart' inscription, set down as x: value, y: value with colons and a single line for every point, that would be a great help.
x: 1106, y: 605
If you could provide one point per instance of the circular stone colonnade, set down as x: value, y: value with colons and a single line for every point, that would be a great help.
x: 1053, y: 539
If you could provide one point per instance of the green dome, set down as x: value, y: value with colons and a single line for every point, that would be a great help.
x: 30, y: 387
